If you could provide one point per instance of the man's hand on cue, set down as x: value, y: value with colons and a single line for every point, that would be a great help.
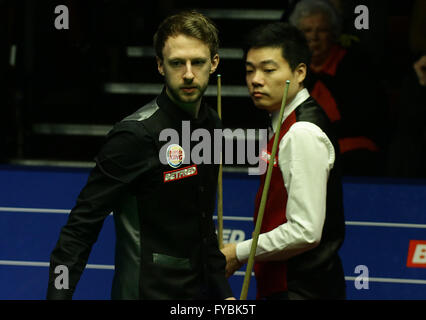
x: 232, y: 263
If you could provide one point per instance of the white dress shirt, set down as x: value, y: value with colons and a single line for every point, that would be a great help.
x: 305, y: 158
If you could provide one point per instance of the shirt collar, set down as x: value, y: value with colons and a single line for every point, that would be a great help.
x: 167, y: 105
x: 300, y: 97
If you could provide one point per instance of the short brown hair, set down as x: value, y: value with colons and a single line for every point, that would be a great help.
x: 189, y: 23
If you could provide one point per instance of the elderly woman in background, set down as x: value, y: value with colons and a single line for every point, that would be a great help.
x: 345, y: 85
x: 321, y: 25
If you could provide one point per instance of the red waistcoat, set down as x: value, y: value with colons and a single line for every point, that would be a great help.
x: 271, y: 276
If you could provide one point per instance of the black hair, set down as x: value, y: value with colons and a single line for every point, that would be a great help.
x: 295, y: 49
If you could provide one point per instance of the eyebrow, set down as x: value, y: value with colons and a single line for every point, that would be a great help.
x: 269, y: 61
x: 184, y: 59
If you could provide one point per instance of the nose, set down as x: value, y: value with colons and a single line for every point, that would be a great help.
x: 257, y: 79
x: 311, y: 35
x: 188, y: 75
x: 315, y: 34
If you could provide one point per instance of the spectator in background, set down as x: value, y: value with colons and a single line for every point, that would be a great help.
x: 8, y: 109
x: 418, y: 28
x: 344, y: 9
x: 343, y: 82
x: 407, y: 150
x: 420, y: 69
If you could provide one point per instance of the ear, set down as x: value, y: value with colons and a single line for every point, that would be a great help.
x: 160, y: 65
x: 215, y: 63
x: 300, y: 72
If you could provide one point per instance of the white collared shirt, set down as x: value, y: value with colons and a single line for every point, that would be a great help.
x: 305, y: 158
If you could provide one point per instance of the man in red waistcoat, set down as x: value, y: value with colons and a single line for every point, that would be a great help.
x: 303, y: 225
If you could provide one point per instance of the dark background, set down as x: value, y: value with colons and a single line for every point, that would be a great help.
x: 59, y: 77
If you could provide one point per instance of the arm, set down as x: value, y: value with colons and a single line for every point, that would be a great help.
x: 116, y: 166
x: 77, y: 237
x: 306, y: 157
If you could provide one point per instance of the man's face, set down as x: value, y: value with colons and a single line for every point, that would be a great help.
x: 266, y: 74
x: 186, y: 66
x: 318, y: 34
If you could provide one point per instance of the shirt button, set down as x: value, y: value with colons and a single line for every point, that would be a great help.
x: 201, y: 188
x: 205, y: 240
x: 203, y: 214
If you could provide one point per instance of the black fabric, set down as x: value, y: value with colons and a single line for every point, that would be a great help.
x: 360, y: 99
x: 174, y: 218
x: 318, y: 273
x: 407, y: 150
x: 362, y: 104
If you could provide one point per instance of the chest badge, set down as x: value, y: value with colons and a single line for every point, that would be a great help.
x: 175, y: 155
x: 181, y: 173
x: 266, y: 156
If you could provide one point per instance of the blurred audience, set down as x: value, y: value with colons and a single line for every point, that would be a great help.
x: 345, y: 12
x: 407, y: 150
x: 417, y: 28
x: 345, y: 84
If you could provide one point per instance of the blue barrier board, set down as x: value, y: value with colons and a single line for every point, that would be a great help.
x: 385, y: 219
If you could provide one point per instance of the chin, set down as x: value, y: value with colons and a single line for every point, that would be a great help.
x: 262, y: 106
x: 189, y: 98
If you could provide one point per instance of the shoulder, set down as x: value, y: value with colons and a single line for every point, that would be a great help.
x: 310, y: 111
x: 304, y: 131
x: 126, y: 151
x: 131, y: 133
x: 306, y: 141
x: 143, y: 124
x: 143, y: 113
x: 128, y: 130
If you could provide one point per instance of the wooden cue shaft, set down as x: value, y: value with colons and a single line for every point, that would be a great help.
x: 219, y: 183
x: 256, y: 233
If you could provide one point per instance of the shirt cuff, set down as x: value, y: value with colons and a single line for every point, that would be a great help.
x: 243, y: 250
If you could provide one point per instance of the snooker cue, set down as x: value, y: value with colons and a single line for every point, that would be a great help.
x: 219, y: 183
x: 256, y: 233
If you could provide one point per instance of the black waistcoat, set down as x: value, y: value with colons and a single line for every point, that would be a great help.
x: 318, y: 273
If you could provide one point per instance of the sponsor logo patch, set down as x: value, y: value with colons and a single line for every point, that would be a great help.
x: 266, y: 156
x: 417, y: 254
x: 175, y: 155
x: 181, y: 173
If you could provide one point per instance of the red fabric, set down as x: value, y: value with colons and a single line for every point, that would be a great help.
x: 271, y: 276
x: 320, y: 92
x: 330, y: 65
x: 325, y: 99
x: 354, y: 143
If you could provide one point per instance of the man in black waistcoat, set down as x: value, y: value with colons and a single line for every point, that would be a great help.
x: 303, y: 225
x: 163, y: 201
